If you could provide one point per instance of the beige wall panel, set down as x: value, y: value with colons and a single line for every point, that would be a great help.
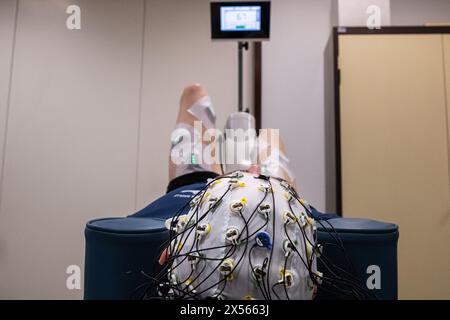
x: 446, y: 54
x: 395, y: 150
x: 72, y: 139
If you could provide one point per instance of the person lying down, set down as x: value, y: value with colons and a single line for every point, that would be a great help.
x: 237, y: 227
x: 242, y: 234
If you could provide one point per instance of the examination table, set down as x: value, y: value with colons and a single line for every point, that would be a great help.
x: 122, y: 252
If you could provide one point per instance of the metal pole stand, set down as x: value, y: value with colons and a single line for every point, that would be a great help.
x: 242, y: 45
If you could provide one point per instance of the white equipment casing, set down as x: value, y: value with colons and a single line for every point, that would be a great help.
x: 240, y: 150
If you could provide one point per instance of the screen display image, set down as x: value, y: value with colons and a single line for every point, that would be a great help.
x: 239, y: 18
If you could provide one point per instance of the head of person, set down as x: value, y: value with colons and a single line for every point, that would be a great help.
x: 246, y: 236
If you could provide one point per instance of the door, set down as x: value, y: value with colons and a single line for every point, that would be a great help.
x: 394, y: 149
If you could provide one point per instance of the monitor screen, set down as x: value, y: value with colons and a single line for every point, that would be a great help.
x: 240, y: 20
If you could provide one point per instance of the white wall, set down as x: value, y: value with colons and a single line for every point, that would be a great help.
x: 89, y: 121
x: 294, y: 90
x: 178, y: 51
x: 419, y: 12
x: 7, y: 26
x: 395, y: 12
x: 71, y: 138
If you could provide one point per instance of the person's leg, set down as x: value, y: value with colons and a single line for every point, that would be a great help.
x: 195, y: 105
x: 272, y: 157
